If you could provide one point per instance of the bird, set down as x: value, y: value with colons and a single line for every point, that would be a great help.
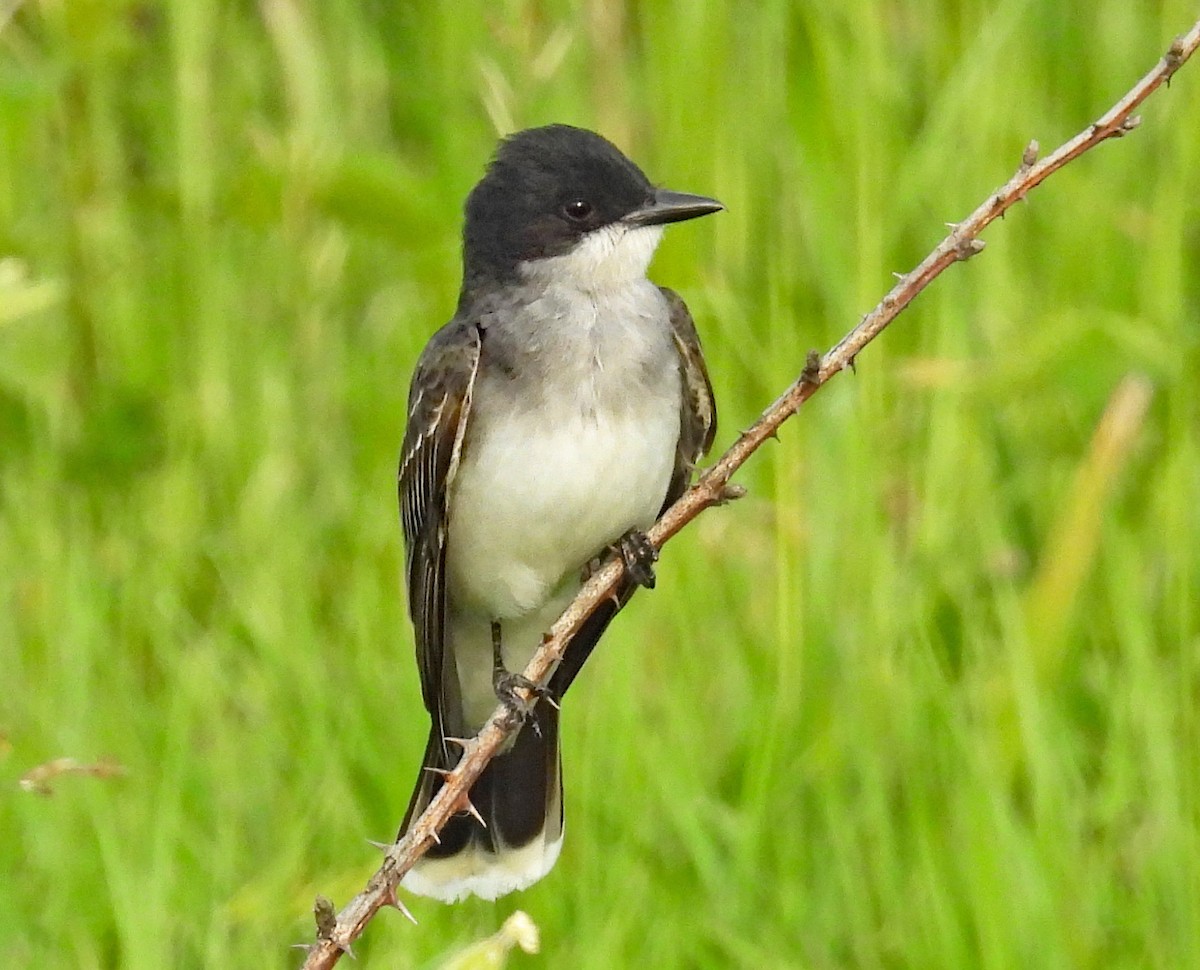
x: 561, y: 410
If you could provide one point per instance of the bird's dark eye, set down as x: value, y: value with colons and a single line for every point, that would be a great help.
x: 578, y: 209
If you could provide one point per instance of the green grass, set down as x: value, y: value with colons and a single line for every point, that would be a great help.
x: 929, y: 697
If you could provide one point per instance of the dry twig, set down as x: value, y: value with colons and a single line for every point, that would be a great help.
x: 41, y: 780
x: 714, y: 488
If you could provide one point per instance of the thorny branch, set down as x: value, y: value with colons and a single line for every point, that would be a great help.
x: 713, y: 488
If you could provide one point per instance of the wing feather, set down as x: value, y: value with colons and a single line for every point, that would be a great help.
x: 439, y: 410
x: 698, y: 407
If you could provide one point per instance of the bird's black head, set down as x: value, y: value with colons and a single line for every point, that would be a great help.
x: 547, y: 188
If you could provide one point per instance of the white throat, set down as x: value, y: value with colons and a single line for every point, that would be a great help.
x: 608, y: 256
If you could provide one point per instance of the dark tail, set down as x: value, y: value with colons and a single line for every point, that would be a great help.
x: 519, y: 796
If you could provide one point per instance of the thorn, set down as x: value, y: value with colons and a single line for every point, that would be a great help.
x: 381, y: 846
x: 306, y: 947
x: 473, y: 811
x: 852, y: 363
x: 968, y: 248
x: 952, y: 226
x: 433, y: 834
x: 464, y: 743
x: 549, y: 699
x: 1030, y: 156
x: 899, y: 276
x: 442, y: 773
x: 345, y: 948
x: 392, y: 898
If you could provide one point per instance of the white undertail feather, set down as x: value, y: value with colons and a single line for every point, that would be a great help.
x: 475, y: 871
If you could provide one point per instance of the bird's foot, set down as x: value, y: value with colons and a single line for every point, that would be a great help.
x: 506, y: 683
x: 591, y: 567
x: 638, y: 554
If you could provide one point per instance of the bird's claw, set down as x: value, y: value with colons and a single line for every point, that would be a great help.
x: 506, y: 684
x: 639, y: 555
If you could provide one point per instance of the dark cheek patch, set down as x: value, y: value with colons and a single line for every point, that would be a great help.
x: 546, y: 236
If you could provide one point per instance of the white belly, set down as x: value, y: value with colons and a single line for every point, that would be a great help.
x: 536, y: 499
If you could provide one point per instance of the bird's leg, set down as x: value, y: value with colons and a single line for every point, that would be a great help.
x: 506, y: 683
x: 639, y: 555
x: 591, y: 567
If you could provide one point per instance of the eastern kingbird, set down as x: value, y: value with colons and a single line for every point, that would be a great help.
x: 554, y: 418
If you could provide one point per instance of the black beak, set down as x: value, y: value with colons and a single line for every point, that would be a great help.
x: 668, y: 206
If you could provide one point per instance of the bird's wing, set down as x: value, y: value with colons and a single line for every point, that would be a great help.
x: 698, y: 408
x: 697, y: 428
x: 439, y: 408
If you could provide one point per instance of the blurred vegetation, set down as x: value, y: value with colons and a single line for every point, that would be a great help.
x: 929, y: 697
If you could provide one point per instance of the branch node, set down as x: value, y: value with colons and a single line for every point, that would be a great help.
x: 811, y: 375
x: 730, y: 493
x: 1029, y: 157
x: 326, y: 917
x: 966, y: 248
x: 1126, y: 126
x: 1174, y: 55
